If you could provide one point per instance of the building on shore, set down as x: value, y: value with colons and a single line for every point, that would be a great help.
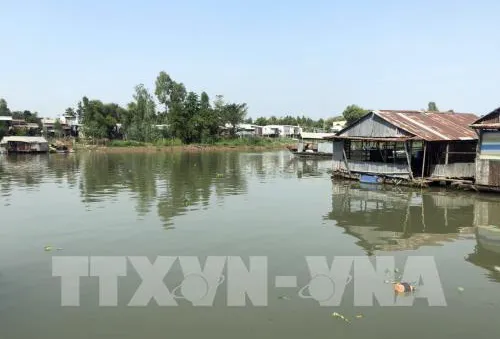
x: 488, y: 151
x: 337, y: 126
x: 21, y: 144
x: 406, y: 146
x: 281, y: 131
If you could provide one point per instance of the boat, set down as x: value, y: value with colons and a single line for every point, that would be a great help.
x: 313, y: 145
x: 59, y: 148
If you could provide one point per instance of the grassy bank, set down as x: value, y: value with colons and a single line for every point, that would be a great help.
x: 168, y: 145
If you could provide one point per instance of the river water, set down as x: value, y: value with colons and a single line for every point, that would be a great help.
x: 237, y: 205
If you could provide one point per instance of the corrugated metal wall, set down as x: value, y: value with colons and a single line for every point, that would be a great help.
x: 373, y: 126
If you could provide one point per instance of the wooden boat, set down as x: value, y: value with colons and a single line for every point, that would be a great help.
x: 312, y: 145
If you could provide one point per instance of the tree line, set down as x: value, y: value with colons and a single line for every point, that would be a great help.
x: 187, y: 116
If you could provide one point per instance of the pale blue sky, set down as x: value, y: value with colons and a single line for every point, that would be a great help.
x: 280, y: 57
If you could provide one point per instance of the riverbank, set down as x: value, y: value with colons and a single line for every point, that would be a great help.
x: 229, y: 145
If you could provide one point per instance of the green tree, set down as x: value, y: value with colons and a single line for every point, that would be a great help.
x: 432, y: 107
x: 100, y: 120
x: 353, y: 113
x: 261, y: 121
x: 3, y: 129
x: 70, y: 112
x: 140, y: 120
x: 234, y: 114
x: 4, y: 108
x: 58, y: 128
x: 79, y: 111
x: 209, y: 119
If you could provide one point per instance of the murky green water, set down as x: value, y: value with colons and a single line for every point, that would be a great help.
x: 234, y: 204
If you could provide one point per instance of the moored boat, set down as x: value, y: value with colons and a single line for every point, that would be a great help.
x: 312, y: 145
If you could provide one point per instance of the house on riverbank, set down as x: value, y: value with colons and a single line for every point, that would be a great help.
x: 488, y: 151
x: 407, y: 146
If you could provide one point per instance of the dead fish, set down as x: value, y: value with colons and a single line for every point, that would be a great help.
x: 340, y: 316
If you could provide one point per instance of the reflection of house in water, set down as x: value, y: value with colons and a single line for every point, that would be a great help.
x: 309, y: 167
x: 394, y: 219
x: 487, y: 251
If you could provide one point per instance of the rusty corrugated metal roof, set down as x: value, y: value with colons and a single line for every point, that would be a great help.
x: 435, y: 126
x: 486, y: 126
x: 492, y: 117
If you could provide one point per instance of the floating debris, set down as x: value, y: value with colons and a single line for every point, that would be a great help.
x: 497, y: 268
x: 396, y: 270
x: 59, y: 249
x: 340, y: 316
x: 461, y: 289
x: 48, y: 248
x: 359, y: 316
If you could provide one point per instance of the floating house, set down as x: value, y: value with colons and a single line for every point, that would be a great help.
x: 406, y: 146
x: 313, y: 145
x: 19, y: 144
x: 488, y: 151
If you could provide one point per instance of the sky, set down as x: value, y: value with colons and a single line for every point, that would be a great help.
x: 280, y: 57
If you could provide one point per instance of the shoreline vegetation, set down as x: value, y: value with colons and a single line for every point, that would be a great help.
x: 167, y: 111
x: 176, y: 145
